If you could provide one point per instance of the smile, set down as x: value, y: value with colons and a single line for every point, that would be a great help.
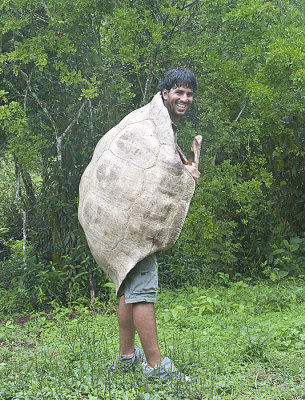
x: 183, y: 106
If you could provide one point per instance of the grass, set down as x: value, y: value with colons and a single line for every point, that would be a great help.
x: 240, y: 342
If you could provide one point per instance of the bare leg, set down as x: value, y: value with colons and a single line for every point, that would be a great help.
x: 145, y: 324
x: 126, y: 327
x: 140, y: 317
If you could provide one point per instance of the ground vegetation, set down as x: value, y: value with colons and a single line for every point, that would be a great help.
x: 241, y: 341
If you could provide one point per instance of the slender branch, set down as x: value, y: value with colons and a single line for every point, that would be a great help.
x: 26, y: 177
x: 17, y: 175
x: 59, y: 138
x: 29, y: 189
x: 188, y: 5
x: 179, y: 18
x: 150, y: 75
x: 26, y: 96
x: 140, y: 85
x: 241, y: 111
x: 39, y: 102
x: 147, y: 86
x: 91, y: 120
x: 70, y: 126
x: 24, y: 221
x: 223, y: 87
x: 47, y: 10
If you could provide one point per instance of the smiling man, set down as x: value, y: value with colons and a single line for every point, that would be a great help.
x: 136, y: 307
x: 134, y: 197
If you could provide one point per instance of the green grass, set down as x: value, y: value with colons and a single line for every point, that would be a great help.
x: 240, y: 342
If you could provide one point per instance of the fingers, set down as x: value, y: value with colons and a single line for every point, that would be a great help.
x: 196, y: 177
x: 196, y: 174
x: 194, y: 171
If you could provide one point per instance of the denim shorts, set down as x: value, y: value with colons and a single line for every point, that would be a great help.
x: 141, y: 283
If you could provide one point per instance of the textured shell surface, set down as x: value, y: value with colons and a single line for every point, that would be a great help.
x: 135, y: 193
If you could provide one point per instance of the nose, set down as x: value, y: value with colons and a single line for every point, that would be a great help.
x: 184, y: 97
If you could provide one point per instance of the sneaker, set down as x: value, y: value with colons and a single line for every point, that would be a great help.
x: 128, y: 360
x: 165, y: 370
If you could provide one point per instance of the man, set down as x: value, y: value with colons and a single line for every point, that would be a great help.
x: 136, y: 306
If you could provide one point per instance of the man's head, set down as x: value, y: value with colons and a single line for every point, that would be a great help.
x: 177, y: 89
x: 179, y: 77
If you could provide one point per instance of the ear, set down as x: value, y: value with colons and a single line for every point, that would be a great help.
x: 165, y: 94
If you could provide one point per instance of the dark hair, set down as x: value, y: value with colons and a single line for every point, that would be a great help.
x: 179, y: 77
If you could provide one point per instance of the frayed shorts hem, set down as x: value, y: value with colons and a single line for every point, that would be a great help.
x: 139, y: 299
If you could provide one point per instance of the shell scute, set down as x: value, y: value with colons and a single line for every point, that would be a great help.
x: 137, y: 145
x: 120, y: 175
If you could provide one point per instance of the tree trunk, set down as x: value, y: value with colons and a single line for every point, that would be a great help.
x: 92, y: 287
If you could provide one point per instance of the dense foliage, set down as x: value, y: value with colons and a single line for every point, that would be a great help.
x: 72, y: 70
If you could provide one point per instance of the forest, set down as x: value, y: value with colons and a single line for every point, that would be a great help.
x: 71, y: 70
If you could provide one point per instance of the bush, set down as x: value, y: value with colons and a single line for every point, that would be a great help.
x: 288, y: 258
x: 227, y: 226
x: 35, y: 285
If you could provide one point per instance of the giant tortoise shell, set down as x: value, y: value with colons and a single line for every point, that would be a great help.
x: 135, y: 193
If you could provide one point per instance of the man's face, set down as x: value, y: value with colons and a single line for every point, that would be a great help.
x: 177, y: 100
